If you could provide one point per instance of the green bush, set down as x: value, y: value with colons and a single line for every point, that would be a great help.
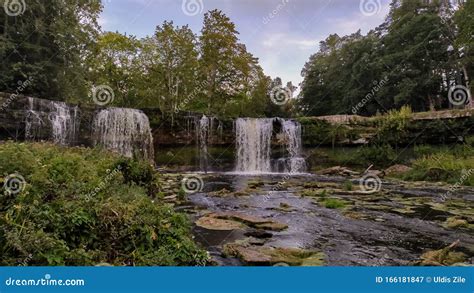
x: 381, y: 156
x: 79, y: 208
x: 454, y: 167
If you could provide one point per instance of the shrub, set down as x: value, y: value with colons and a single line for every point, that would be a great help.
x: 75, y: 210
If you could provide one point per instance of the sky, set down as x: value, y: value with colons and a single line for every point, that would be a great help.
x: 283, y: 34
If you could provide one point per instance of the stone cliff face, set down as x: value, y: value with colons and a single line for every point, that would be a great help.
x: 32, y: 118
x: 23, y: 118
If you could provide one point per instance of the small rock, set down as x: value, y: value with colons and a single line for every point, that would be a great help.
x: 397, y: 169
x: 338, y: 170
x: 443, y: 257
x: 456, y: 222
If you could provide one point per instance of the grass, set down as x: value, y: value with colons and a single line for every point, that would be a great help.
x: 334, y: 203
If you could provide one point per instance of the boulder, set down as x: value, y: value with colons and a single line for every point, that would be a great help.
x: 397, y: 169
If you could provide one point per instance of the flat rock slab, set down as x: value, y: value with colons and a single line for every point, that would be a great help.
x: 211, y: 223
x: 264, y: 255
x: 232, y: 221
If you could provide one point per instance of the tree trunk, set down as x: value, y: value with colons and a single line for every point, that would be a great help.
x: 466, y: 78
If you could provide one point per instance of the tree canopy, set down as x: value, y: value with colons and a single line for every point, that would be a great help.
x: 413, y: 58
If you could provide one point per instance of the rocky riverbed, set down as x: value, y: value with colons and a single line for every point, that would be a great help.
x: 322, y: 220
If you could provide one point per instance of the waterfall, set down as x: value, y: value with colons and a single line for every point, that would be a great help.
x: 203, y: 134
x: 254, y: 146
x: 64, y: 123
x: 253, y: 140
x: 292, y: 135
x: 51, y: 120
x: 126, y: 131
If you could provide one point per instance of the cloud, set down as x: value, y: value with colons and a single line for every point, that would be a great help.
x: 281, y: 41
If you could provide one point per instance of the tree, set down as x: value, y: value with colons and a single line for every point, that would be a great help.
x: 47, y: 44
x: 405, y: 61
x: 227, y: 69
x: 465, y: 42
x: 114, y: 64
x: 170, y: 61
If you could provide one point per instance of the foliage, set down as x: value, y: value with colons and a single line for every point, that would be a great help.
x: 48, y: 44
x: 393, y: 126
x: 448, y: 164
x: 75, y: 210
x: 407, y: 60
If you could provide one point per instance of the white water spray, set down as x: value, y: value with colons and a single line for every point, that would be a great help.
x: 254, y: 146
x: 52, y: 120
x: 126, y: 131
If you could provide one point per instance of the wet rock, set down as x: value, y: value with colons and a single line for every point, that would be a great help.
x: 252, y: 221
x: 355, y: 215
x: 338, y: 170
x: 264, y: 255
x: 397, y: 170
x: 258, y: 234
x: 375, y: 173
x: 247, y: 219
x: 221, y: 193
x: 273, y: 226
x: 211, y: 223
x: 456, y: 222
x: 284, y: 207
x: 216, y: 186
x: 443, y: 257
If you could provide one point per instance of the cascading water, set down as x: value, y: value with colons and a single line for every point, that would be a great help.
x: 64, y: 123
x: 292, y: 134
x: 126, y: 131
x: 203, y: 133
x: 52, y: 120
x: 253, y: 145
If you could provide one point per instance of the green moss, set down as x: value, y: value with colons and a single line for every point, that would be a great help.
x: 348, y: 186
x: 333, y: 203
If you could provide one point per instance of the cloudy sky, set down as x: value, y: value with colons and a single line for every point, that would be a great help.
x: 281, y: 33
